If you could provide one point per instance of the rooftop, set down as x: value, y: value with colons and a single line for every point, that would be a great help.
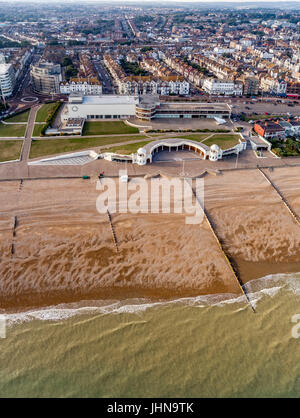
x: 195, y: 106
x: 103, y: 100
x: 4, y: 68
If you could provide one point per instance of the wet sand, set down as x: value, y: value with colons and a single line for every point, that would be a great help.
x: 64, y: 249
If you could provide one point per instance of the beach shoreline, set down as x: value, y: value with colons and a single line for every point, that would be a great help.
x: 64, y: 251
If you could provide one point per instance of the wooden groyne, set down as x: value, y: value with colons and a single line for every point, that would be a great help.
x: 15, y: 226
x: 112, y: 230
x: 283, y: 199
x: 223, y: 251
x: 21, y: 185
x: 14, y: 233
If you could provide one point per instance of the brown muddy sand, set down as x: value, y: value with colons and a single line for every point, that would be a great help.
x: 63, y: 248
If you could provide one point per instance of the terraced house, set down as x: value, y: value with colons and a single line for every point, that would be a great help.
x: 151, y: 84
x: 90, y: 86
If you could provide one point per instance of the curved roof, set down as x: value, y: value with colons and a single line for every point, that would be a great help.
x: 149, y: 148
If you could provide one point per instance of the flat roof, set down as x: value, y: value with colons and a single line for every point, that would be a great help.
x: 195, y: 106
x: 258, y: 141
x: 105, y: 99
x: 4, y: 68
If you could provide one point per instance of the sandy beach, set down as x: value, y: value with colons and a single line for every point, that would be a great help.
x: 63, y: 248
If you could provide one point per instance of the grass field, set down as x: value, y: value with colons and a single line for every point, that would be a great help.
x: 260, y: 117
x: 37, y: 130
x: 44, y: 147
x: 20, y: 117
x: 195, y: 137
x: 108, y: 128
x: 12, y: 130
x: 44, y: 111
x: 10, y: 150
x: 127, y: 148
x: 224, y: 141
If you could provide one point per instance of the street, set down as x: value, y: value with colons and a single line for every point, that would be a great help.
x: 104, y: 77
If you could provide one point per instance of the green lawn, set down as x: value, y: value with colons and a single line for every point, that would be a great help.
x: 12, y: 130
x: 260, y: 117
x: 37, y: 130
x: 44, y: 111
x: 108, y: 128
x: 20, y: 117
x: 127, y: 148
x: 195, y: 137
x: 10, y: 150
x: 44, y: 147
x: 224, y: 141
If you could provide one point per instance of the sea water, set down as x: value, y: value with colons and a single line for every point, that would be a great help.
x: 206, y: 346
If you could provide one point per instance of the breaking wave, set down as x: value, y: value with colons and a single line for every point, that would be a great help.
x: 267, y: 286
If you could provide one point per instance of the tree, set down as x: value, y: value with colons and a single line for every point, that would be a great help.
x: 71, y: 71
x: 53, y: 42
x: 66, y: 61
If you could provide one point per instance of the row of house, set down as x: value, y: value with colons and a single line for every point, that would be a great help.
x: 87, y: 86
x: 155, y: 67
x: 220, y: 70
x: 137, y: 85
x: 277, y: 129
x: 183, y: 68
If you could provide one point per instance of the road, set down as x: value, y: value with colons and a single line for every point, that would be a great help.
x: 104, y: 77
x: 24, y: 89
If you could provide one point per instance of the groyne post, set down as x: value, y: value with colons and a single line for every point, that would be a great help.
x: 282, y: 198
x: 223, y: 251
x: 112, y: 230
x: 14, y: 233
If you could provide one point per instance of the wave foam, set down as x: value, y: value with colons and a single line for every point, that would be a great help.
x: 256, y: 289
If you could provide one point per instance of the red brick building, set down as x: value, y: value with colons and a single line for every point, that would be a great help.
x: 269, y: 129
x: 293, y: 88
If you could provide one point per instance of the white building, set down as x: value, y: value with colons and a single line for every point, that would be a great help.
x: 218, y: 50
x: 7, y: 79
x: 95, y: 107
x: 217, y: 87
x: 142, y: 107
x: 45, y: 77
x: 143, y: 85
x: 271, y: 85
x: 86, y: 86
x: 145, y: 155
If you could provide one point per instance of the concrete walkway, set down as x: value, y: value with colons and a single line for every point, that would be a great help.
x: 28, y: 135
x: 151, y: 135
